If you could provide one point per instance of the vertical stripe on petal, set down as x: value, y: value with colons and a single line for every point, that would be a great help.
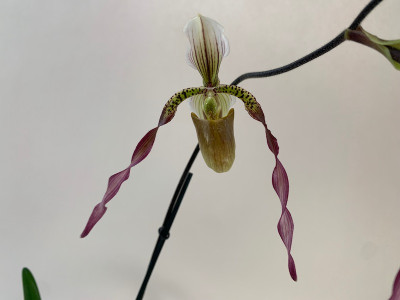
x: 280, y: 180
x: 141, y: 151
x: 208, y: 45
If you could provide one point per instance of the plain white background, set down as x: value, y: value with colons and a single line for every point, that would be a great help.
x: 82, y: 81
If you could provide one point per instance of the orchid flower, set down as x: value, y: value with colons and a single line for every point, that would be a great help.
x: 213, y: 119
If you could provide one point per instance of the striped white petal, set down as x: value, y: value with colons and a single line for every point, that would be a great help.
x: 208, y: 45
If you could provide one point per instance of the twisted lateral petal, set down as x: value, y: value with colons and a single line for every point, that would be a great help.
x: 208, y: 45
x: 396, y: 288
x: 280, y: 180
x: 141, y: 151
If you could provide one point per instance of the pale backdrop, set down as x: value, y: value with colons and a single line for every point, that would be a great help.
x: 83, y: 81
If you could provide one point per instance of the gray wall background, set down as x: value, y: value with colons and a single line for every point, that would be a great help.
x: 82, y: 81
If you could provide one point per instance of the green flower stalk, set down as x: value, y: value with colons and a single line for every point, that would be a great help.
x: 390, y: 49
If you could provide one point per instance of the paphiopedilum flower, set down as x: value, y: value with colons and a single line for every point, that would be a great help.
x: 390, y: 49
x: 213, y: 119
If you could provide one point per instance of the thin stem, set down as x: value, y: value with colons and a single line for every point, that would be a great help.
x: 168, y: 220
x: 164, y: 234
x: 365, y: 12
x: 309, y: 57
x: 313, y: 55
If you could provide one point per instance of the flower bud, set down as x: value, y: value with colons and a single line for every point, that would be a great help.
x: 390, y: 49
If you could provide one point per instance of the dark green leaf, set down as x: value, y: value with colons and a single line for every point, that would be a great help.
x: 31, y: 291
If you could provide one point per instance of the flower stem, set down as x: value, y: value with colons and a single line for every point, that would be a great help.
x: 169, y: 219
x: 309, y: 57
x: 313, y: 55
x: 364, y: 13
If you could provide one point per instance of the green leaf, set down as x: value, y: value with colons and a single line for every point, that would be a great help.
x: 31, y: 291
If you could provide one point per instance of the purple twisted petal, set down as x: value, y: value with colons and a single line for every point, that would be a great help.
x: 396, y: 288
x: 141, y: 151
x: 114, y: 183
x: 280, y: 182
x: 280, y: 179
